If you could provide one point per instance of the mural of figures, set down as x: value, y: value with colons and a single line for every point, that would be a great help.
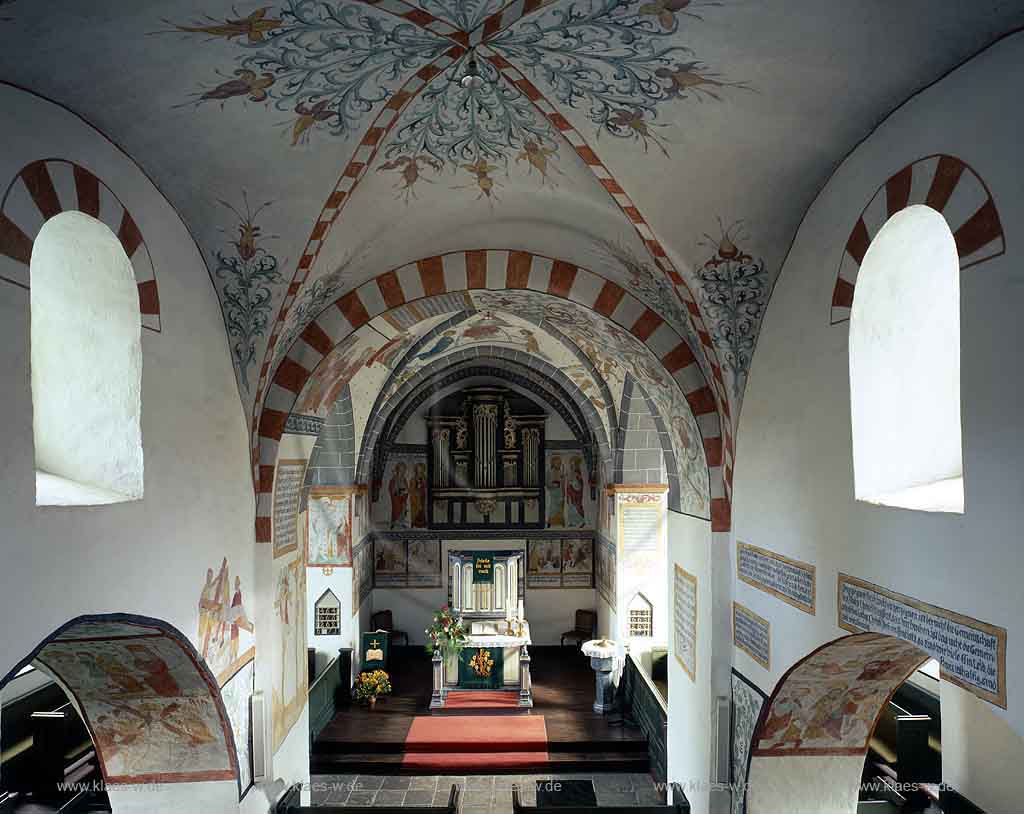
x: 336, y: 370
x: 829, y: 702
x: 329, y: 541
x: 578, y: 563
x: 544, y: 564
x: 389, y: 558
x: 226, y: 633
x: 555, y: 493
x: 151, y: 710
x: 418, y: 496
x: 398, y: 492
x: 288, y: 693
x: 574, y: 486
x: 424, y: 559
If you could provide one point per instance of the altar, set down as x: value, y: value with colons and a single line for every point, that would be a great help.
x: 485, y: 589
x: 489, y: 659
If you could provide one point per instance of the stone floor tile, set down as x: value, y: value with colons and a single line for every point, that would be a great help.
x: 368, y: 782
x: 424, y: 797
x: 649, y: 796
x: 361, y: 798
x: 400, y: 783
x: 422, y: 783
x: 616, y: 798
x: 613, y: 782
x: 390, y: 797
x: 480, y: 781
x: 478, y: 797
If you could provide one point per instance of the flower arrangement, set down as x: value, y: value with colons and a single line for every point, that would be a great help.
x: 371, y: 685
x: 445, y: 634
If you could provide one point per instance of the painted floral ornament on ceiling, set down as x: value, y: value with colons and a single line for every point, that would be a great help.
x: 617, y: 61
x: 328, y: 63
x: 248, y: 271
x: 734, y: 292
x: 476, y: 130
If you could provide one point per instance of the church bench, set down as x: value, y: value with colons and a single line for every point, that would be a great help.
x: 680, y: 806
x: 289, y: 803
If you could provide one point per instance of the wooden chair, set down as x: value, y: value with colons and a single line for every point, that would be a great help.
x: 585, y: 630
x: 384, y: 620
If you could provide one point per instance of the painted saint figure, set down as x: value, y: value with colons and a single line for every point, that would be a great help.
x: 398, y: 489
x: 574, y: 493
x: 237, y: 618
x: 418, y: 496
x: 555, y: 493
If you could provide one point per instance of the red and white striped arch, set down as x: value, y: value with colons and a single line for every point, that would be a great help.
x: 946, y: 184
x: 493, y: 270
x: 48, y: 187
x: 385, y: 121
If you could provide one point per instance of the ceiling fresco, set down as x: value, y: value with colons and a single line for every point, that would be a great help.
x: 310, y: 145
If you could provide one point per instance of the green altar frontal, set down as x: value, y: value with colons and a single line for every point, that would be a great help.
x: 481, y: 668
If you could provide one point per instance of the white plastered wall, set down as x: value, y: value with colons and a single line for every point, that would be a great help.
x: 794, y: 477
x: 145, y: 557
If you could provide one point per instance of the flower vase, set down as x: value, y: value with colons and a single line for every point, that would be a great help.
x: 373, y: 701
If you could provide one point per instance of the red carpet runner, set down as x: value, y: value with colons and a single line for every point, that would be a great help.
x: 437, y: 743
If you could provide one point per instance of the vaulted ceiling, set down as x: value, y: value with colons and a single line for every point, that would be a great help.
x: 671, y: 146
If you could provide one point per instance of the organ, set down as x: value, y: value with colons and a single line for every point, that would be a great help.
x: 485, y: 460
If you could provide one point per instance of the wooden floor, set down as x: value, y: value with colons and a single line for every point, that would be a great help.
x: 563, y: 692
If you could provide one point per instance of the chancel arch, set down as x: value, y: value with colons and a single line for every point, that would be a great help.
x: 501, y: 279
x: 563, y: 396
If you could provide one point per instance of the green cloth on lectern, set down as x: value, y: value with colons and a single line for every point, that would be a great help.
x: 481, y: 668
x: 375, y: 649
x: 483, y: 568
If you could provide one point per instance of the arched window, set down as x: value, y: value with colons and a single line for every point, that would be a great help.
x: 86, y: 354
x: 905, y: 367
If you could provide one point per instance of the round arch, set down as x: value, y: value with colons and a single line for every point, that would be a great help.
x: 48, y: 187
x: 462, y: 272
x: 151, y: 705
x: 547, y: 381
x: 460, y: 317
x: 809, y: 746
x: 943, y: 182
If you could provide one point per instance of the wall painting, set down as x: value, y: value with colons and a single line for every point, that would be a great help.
x: 151, y: 708
x: 290, y: 679
x: 329, y: 540
x: 226, y: 633
x: 566, y: 490
x: 829, y: 702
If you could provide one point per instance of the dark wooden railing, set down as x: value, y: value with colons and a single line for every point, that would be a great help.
x: 641, y: 702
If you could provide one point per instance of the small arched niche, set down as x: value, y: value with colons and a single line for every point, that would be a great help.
x: 86, y: 353
x: 905, y: 367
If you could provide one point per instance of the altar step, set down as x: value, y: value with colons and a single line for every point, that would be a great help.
x: 556, y: 763
x: 481, y: 702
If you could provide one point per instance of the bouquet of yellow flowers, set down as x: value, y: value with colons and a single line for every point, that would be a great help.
x: 371, y: 685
